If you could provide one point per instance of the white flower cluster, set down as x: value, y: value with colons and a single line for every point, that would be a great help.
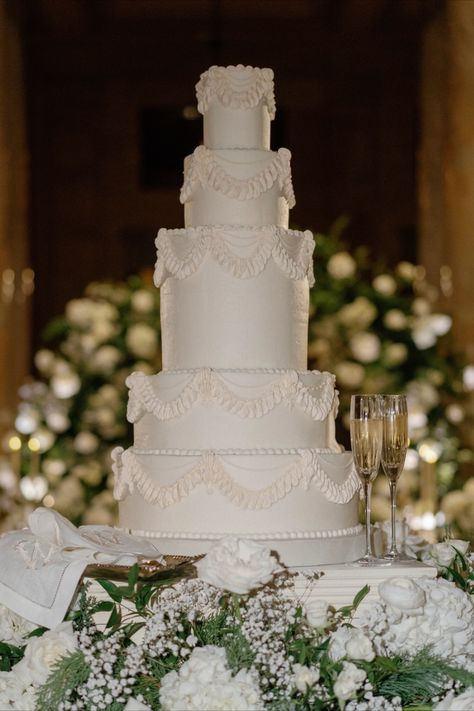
x: 426, y: 613
x: 237, y: 565
x: 205, y: 681
x: 18, y: 687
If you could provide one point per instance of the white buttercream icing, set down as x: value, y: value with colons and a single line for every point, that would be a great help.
x: 208, y: 469
x: 242, y: 251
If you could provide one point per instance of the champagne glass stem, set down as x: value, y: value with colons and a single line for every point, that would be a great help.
x: 393, y: 508
x: 368, y: 540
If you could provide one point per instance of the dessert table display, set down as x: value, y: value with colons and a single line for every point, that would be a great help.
x: 235, y: 580
x: 231, y: 630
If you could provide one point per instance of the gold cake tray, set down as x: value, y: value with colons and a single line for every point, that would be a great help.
x: 149, y: 571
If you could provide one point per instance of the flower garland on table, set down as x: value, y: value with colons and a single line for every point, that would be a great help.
x: 238, y: 637
x: 376, y: 330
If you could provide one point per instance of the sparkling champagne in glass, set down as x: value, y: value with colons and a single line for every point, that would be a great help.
x: 394, y: 449
x: 366, y: 442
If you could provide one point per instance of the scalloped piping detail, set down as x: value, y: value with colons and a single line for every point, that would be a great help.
x: 277, y: 536
x: 208, y: 386
x: 210, y: 471
x: 211, y: 240
x: 203, y: 169
x: 217, y: 82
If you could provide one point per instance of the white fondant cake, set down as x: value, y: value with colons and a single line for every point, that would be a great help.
x: 235, y: 436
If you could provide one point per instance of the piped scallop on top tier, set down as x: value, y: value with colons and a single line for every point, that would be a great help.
x: 237, y: 104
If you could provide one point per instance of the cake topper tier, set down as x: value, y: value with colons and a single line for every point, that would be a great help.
x: 237, y: 104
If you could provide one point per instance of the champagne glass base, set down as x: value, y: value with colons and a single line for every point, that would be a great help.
x: 369, y: 561
x: 398, y: 557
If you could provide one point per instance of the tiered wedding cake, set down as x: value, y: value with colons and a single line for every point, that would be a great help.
x: 235, y: 436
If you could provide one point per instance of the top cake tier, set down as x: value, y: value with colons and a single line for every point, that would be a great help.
x: 237, y: 104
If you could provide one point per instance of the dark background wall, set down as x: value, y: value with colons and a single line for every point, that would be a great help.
x: 103, y: 75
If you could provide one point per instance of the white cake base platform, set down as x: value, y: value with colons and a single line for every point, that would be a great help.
x: 340, y: 583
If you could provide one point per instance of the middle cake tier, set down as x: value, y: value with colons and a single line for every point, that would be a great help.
x: 234, y: 296
x: 230, y: 409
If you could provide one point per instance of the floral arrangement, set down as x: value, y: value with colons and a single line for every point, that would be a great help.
x: 237, y: 636
x: 376, y: 329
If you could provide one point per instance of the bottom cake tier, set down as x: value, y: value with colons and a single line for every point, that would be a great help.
x: 302, y: 503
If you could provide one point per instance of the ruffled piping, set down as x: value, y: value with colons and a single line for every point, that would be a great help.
x: 203, y: 169
x: 216, y: 83
x: 208, y: 386
x: 208, y: 240
x: 210, y: 471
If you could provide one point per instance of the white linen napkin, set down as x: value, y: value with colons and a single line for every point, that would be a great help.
x: 40, y: 566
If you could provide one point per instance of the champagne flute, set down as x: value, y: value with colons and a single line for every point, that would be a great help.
x: 366, y: 440
x: 394, y: 449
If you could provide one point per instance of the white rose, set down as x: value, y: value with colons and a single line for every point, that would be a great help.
x: 441, y: 324
x: 396, y: 353
x: 395, y: 320
x: 349, y: 374
x: 141, y: 340
x: 317, y: 612
x: 66, y: 384
x: 451, y: 702
x: 352, y: 643
x: 360, y: 313
x: 305, y: 677
x: 134, y: 705
x: 420, y: 306
x: 13, y: 627
x: 468, y: 377
x: 442, y: 555
x: 143, y: 301
x: 53, y: 468
x: 341, y: 265
x: 101, y: 331
x: 455, y: 413
x: 45, y: 360
x: 403, y: 595
x: 86, y: 442
x: 385, y: 284
x: 42, y: 653
x: 365, y: 347
x: 79, y: 312
x: 105, y: 359
x: 406, y: 270
x: 237, y: 565
x: 349, y: 680
x: 423, y: 335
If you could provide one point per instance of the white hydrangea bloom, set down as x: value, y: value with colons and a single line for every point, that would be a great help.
x: 205, y: 681
x: 349, y: 680
x: 405, y: 623
x: 451, y: 702
x: 359, y: 313
x: 352, y: 643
